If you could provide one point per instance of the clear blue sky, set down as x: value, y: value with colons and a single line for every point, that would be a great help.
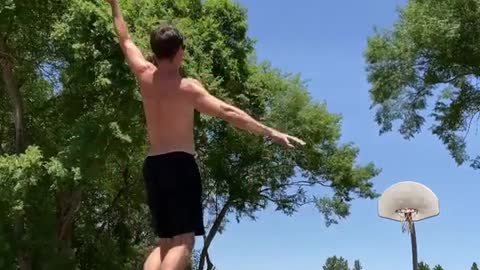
x: 325, y: 41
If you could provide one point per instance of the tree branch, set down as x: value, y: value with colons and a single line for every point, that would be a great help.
x: 469, y: 126
x: 211, y: 234
x: 455, y: 78
x: 7, y: 30
x: 302, y: 183
x: 298, y: 204
x: 210, y: 265
x: 124, y: 189
x: 6, y: 55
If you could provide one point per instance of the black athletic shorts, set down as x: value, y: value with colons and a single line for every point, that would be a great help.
x: 174, y: 192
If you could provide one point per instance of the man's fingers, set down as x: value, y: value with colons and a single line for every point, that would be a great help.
x: 288, y: 141
x: 297, y: 140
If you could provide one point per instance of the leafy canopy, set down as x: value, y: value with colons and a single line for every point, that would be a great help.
x: 426, y: 68
x: 78, y: 192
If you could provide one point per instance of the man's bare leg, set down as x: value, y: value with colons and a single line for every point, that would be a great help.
x: 156, y: 257
x: 179, y: 252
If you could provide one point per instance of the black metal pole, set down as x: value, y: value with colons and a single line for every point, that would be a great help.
x: 413, y: 236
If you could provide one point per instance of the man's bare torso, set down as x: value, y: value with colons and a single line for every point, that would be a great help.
x: 168, y: 113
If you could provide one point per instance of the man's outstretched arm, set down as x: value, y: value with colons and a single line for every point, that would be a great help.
x: 208, y: 104
x: 135, y: 59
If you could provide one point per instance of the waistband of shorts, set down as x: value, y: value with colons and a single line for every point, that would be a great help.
x: 170, y: 153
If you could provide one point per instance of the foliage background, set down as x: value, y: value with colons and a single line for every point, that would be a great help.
x: 73, y: 139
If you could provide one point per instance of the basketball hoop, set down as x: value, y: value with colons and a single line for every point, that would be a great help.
x: 408, y: 202
x: 407, y: 216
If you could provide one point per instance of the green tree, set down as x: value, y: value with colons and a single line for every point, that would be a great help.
x: 438, y: 267
x: 428, y: 65
x: 423, y: 266
x: 357, y: 265
x: 24, y: 52
x: 474, y: 266
x: 335, y: 263
x: 77, y: 191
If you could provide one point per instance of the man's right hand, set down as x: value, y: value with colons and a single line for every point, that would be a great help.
x: 285, y: 139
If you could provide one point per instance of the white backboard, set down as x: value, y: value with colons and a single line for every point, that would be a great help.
x: 408, y: 195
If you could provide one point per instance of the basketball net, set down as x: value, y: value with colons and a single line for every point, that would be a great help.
x: 406, y: 215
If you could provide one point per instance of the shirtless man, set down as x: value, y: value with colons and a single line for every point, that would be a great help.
x: 172, y: 179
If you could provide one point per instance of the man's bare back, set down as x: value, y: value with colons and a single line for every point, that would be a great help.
x: 168, y: 111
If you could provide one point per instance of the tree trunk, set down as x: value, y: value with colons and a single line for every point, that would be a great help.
x: 23, y: 255
x: 211, y: 234
x: 6, y: 64
x: 413, y: 237
x: 68, y: 204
